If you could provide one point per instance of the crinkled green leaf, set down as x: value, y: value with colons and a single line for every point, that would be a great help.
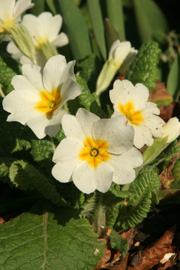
x: 8, y: 69
x: 26, y: 177
x: 139, y: 203
x: 173, y: 80
x: 98, y: 26
x: 86, y: 100
x: 150, y: 19
x: 39, y: 242
x: 42, y: 149
x: 116, y: 17
x: 144, y: 68
x: 119, y: 243
x: 75, y: 27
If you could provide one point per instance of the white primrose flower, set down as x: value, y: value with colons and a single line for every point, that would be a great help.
x: 42, y: 29
x: 10, y: 13
x: 95, y: 152
x: 39, y: 95
x: 132, y: 102
x: 171, y: 129
x: 121, y: 55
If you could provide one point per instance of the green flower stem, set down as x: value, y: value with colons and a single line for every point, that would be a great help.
x: 100, y: 215
x: 1, y: 92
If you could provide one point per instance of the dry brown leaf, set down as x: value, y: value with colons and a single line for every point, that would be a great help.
x: 2, y: 220
x: 153, y: 254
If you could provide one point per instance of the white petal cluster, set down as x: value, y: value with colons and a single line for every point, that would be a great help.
x: 132, y: 102
x: 121, y: 55
x: 39, y: 95
x: 95, y: 152
x: 10, y: 13
x: 42, y: 29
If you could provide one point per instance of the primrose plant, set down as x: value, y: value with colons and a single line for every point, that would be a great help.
x: 86, y: 162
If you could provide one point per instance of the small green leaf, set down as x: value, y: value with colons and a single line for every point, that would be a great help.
x: 150, y: 19
x: 116, y: 17
x: 144, y: 68
x: 176, y: 174
x: 154, y: 150
x: 75, y: 27
x: 110, y: 33
x: 119, y: 243
x: 98, y: 26
x: 173, y: 80
x: 51, y: 6
x: 42, y: 149
x: 26, y: 177
x: 39, y: 242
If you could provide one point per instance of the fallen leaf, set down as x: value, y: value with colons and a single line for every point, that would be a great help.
x: 153, y: 254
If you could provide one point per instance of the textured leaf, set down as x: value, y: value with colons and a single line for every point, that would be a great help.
x: 42, y: 149
x: 144, y: 68
x: 75, y: 27
x: 173, y: 80
x: 38, y: 242
x: 150, y: 19
x: 119, y: 243
x: 115, y: 15
x: 8, y: 68
x: 26, y: 177
x: 98, y: 26
x: 139, y: 203
x: 86, y: 99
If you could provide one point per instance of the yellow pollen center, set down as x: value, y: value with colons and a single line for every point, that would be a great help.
x: 94, y: 152
x: 40, y: 41
x: 49, y: 102
x: 133, y: 116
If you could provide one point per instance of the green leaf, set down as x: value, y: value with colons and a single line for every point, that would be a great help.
x: 75, y: 27
x: 119, y: 243
x: 39, y: 242
x: 144, y: 68
x: 154, y: 150
x: 42, y: 149
x: 86, y: 100
x: 39, y: 6
x: 110, y: 33
x: 173, y: 80
x: 26, y: 177
x: 139, y: 203
x: 98, y: 26
x: 176, y: 175
x: 116, y: 17
x: 150, y: 19
x: 8, y: 69
x: 51, y: 6
x: 88, y: 69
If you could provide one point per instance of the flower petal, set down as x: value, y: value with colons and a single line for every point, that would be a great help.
x: 142, y: 136
x: 124, y: 165
x: 53, y: 72
x: 61, y: 40
x: 21, y: 6
x: 88, y: 179
x: 66, y: 157
x: 115, y: 131
x: 72, y: 127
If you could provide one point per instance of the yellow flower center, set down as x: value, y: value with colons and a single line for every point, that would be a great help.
x: 94, y: 152
x: 128, y: 110
x: 49, y: 102
x: 40, y: 41
x: 7, y: 24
